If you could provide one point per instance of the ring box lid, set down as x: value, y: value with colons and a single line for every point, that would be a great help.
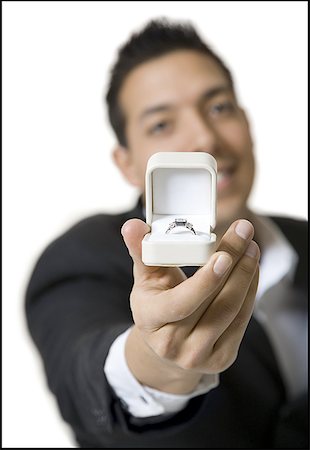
x: 181, y: 184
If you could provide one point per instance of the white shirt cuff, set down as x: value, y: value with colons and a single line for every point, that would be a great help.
x: 143, y: 401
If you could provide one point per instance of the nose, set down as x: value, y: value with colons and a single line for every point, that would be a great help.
x: 201, y: 136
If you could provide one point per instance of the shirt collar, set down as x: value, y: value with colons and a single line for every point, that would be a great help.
x: 278, y: 257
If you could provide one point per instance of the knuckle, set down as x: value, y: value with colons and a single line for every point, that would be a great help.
x: 179, y: 310
x: 138, y: 320
x: 234, y: 249
x: 190, y: 361
x: 166, y: 347
x: 222, y: 359
x: 247, y: 267
x: 229, y: 308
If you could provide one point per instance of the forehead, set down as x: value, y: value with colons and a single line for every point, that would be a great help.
x: 177, y: 78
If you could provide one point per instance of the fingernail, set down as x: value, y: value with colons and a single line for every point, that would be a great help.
x: 244, y: 229
x: 251, y: 250
x: 222, y: 264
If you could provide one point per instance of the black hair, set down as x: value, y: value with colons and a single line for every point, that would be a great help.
x: 157, y: 38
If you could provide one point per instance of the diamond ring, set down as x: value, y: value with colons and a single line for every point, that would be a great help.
x: 181, y: 223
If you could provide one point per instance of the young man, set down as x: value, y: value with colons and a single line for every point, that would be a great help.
x: 159, y: 357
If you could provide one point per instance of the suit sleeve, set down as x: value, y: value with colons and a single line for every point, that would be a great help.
x: 77, y: 303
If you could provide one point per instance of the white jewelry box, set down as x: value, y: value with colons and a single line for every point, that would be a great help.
x: 180, y: 185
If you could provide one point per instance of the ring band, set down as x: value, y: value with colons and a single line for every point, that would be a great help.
x: 181, y: 223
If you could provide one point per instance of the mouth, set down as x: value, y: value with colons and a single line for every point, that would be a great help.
x: 225, y: 178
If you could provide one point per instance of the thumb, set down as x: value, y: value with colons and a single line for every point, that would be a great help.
x: 133, y: 232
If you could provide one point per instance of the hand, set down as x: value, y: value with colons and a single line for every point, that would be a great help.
x: 185, y: 328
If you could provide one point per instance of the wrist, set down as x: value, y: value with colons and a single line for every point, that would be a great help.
x: 152, y: 371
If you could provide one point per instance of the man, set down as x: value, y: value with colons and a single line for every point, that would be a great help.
x: 183, y: 364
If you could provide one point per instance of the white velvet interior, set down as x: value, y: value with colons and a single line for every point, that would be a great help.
x: 185, y: 194
x: 181, y: 191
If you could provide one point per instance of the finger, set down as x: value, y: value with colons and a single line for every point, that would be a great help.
x: 209, y: 356
x: 200, y: 289
x: 133, y: 232
x: 152, y: 277
x: 177, y: 303
x: 237, y: 238
x: 226, y: 348
x: 228, y: 303
x: 232, y: 247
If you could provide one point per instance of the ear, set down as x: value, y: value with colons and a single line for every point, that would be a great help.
x: 123, y: 159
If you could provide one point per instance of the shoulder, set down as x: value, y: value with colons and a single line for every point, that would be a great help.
x: 93, y: 247
x: 91, y: 235
x: 94, y: 230
x: 294, y: 229
x: 100, y: 229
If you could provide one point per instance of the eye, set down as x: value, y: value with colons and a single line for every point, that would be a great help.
x: 222, y: 108
x: 159, y: 127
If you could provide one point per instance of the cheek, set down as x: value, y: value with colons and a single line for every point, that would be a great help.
x: 140, y: 155
x: 239, y: 138
x: 240, y: 143
x: 140, y: 158
x: 139, y: 165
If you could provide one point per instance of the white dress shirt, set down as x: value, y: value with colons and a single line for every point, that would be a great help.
x: 285, y: 325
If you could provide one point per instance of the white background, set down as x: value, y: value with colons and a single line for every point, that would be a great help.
x: 57, y: 144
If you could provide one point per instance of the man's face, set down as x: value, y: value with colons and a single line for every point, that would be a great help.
x: 182, y: 102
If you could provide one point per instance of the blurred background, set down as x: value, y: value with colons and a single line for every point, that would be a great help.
x: 57, y: 143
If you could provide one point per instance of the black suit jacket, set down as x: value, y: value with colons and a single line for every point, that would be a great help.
x: 77, y: 303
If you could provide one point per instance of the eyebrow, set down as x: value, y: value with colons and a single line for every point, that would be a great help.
x: 210, y: 93
x: 207, y: 95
